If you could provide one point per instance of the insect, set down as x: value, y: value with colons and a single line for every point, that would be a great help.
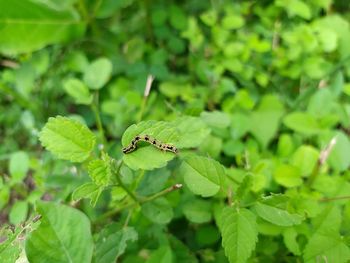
x: 146, y: 138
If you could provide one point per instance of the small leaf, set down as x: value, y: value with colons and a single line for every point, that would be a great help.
x: 161, y: 255
x: 67, y: 139
x: 290, y: 240
x: 304, y: 123
x: 18, y: 212
x: 197, y: 211
x: 305, y: 158
x: 153, y: 181
x: 112, y: 242
x: 202, y: 175
x: 276, y: 215
x: 158, y: 211
x: 87, y: 190
x: 287, y: 175
x: 98, y: 73
x: 147, y: 156
x: 216, y: 119
x: 63, y: 236
x: 78, y: 91
x: 19, y: 165
x: 100, y: 171
x: 239, y: 233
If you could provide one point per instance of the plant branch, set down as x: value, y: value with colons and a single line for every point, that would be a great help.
x: 148, y: 86
x: 334, y: 198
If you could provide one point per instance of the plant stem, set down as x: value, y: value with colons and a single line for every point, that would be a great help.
x: 335, y: 198
x: 121, y: 184
x: 130, y: 205
x: 96, y: 111
x: 148, y: 86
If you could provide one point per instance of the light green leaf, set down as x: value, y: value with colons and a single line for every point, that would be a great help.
x: 216, y: 119
x: 297, y: 8
x: 11, y: 247
x: 67, y: 139
x: 98, y: 73
x: 19, y: 165
x: 302, y: 122
x: 87, y: 190
x: 112, y: 242
x: 63, y: 235
x: 239, y: 233
x: 202, y: 175
x: 326, y: 241
x: 276, y: 215
x: 146, y: 156
x: 287, y: 175
x: 192, y: 131
x: 18, y: 212
x: 158, y: 211
x: 232, y: 21
x: 305, y: 158
x: 100, y: 171
x: 339, y: 156
x: 78, y: 91
x: 161, y: 255
x: 290, y: 240
x: 265, y: 120
x: 197, y: 211
x: 26, y: 26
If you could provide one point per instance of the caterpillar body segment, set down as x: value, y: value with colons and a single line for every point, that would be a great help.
x: 146, y: 138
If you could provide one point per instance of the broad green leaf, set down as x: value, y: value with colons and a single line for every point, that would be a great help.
x: 98, y: 73
x: 276, y: 215
x: 161, y: 255
x: 239, y: 233
x: 211, y: 146
x: 216, y: 119
x: 153, y: 181
x: 181, y: 252
x: 87, y: 190
x: 265, y: 120
x: 112, y: 242
x: 326, y: 242
x: 202, y: 175
x: 197, y: 211
x: 18, y: 212
x: 78, y: 91
x: 302, y: 122
x: 287, y: 175
x: 305, y: 158
x: 321, y: 103
x: 100, y: 171
x: 146, y: 156
x: 158, y: 211
x: 63, y: 235
x: 67, y: 139
x: 285, y: 145
x: 240, y: 125
x: 192, y: 131
x: 19, y: 165
x: 290, y: 240
x: 26, y: 26
x: 232, y: 21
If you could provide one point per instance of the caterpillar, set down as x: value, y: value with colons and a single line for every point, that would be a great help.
x: 146, y: 138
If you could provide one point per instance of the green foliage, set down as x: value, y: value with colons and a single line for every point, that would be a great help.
x: 253, y: 94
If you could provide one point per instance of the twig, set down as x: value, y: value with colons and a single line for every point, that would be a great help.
x: 321, y: 160
x: 334, y: 198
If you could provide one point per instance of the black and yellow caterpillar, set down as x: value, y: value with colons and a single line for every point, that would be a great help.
x: 146, y: 138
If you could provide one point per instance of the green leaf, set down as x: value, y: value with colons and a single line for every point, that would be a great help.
x: 339, y: 156
x: 18, y: 212
x: 63, y: 235
x: 78, y: 91
x: 207, y: 235
x: 202, y: 175
x: 181, y: 252
x: 290, y: 240
x: 100, y: 171
x: 305, y: 158
x: 112, y: 242
x: 87, y: 190
x: 158, y: 211
x: 302, y: 122
x: 146, y: 156
x: 197, y: 211
x: 97, y: 74
x: 161, y: 255
x: 11, y: 247
x: 192, y: 131
x: 296, y: 8
x: 239, y: 233
x: 67, y: 139
x: 216, y: 119
x: 19, y: 165
x: 276, y: 215
x: 326, y: 241
x: 287, y: 175
x: 232, y: 21
x: 26, y: 26
x: 265, y: 120
x: 153, y: 181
